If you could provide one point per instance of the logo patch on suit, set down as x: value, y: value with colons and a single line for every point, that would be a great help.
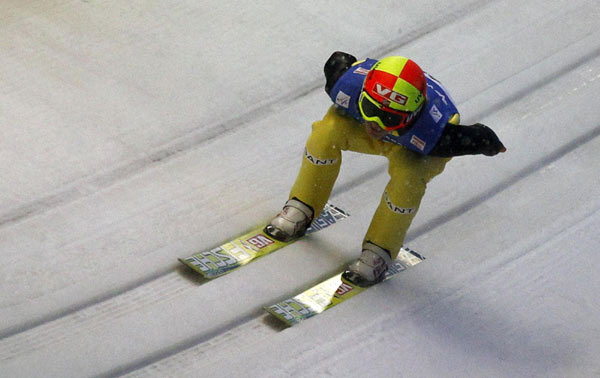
x: 435, y: 113
x: 316, y: 160
x: 342, y: 99
x: 397, y: 209
x: 361, y: 71
x: 418, y: 142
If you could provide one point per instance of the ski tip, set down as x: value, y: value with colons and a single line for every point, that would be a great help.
x: 329, y: 206
x: 413, y: 252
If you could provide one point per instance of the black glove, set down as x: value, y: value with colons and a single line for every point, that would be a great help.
x: 336, y: 65
x: 486, y: 139
x: 457, y: 140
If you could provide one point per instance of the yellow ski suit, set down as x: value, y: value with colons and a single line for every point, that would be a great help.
x: 409, y: 174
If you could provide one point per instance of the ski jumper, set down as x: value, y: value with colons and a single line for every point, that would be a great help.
x: 410, y: 168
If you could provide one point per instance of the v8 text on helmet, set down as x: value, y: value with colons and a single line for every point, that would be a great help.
x: 393, y: 94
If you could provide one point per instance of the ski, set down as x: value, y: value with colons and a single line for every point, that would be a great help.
x: 332, y: 292
x: 250, y: 246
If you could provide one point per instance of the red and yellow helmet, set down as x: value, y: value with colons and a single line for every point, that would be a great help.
x: 393, y: 93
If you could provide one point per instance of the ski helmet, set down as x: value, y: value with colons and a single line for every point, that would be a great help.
x: 393, y: 93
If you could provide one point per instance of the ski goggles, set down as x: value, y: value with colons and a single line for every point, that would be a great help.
x: 388, y: 119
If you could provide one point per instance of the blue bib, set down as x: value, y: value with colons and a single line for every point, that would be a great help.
x: 427, y: 129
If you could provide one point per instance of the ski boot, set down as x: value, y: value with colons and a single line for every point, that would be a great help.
x: 370, y: 268
x: 292, y: 222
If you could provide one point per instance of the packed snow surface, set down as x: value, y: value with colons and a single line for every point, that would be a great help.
x: 136, y: 132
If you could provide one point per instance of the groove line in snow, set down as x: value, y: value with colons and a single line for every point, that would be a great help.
x: 92, y: 317
x: 181, y: 145
x: 91, y: 184
x: 216, y: 334
x: 50, y: 332
x: 167, y: 285
x: 262, y: 331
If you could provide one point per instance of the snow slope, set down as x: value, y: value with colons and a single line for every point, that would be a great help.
x: 134, y: 133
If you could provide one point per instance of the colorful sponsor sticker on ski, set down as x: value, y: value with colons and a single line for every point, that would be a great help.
x: 213, y: 262
x: 343, y: 289
x: 244, y: 249
x: 291, y: 311
x: 332, y: 292
x: 260, y: 241
x: 330, y: 215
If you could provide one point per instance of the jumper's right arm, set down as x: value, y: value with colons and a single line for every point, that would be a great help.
x: 458, y: 140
